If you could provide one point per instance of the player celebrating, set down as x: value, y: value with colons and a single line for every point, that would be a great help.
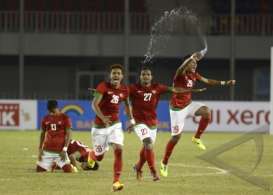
x: 54, y: 139
x: 144, y: 97
x: 77, y: 151
x: 107, y: 129
x: 181, y: 105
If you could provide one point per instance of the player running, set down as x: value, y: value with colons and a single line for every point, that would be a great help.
x: 54, y: 140
x: 107, y: 129
x: 144, y: 97
x: 181, y: 105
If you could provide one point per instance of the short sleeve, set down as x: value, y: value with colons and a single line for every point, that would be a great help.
x: 43, y: 126
x: 101, y: 89
x: 162, y: 88
x: 126, y: 92
x: 68, y: 123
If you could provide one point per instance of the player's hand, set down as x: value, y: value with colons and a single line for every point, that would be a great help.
x: 131, y: 125
x: 197, y: 56
x: 131, y: 128
x: 199, y: 90
x: 40, y: 154
x: 92, y: 90
x: 63, y: 155
x: 230, y: 82
x: 106, y: 120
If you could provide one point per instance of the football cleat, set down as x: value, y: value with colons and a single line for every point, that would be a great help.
x: 199, y: 143
x: 117, y: 186
x: 90, y: 162
x: 163, y: 169
x: 155, y: 177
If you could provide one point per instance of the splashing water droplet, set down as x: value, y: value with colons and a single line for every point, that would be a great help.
x: 170, y: 22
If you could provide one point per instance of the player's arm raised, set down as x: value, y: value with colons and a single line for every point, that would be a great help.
x: 42, y: 138
x: 217, y: 82
x: 184, y: 90
x: 197, y: 56
x: 95, y: 106
x: 181, y: 68
x: 128, y: 109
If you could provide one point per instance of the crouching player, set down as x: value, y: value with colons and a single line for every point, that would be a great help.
x: 78, y: 152
x: 54, y: 140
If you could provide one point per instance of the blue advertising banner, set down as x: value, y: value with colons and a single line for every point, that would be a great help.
x: 82, y: 115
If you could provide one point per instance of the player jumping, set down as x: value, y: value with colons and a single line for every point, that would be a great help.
x: 107, y: 129
x: 181, y: 105
x: 144, y: 97
x: 54, y: 140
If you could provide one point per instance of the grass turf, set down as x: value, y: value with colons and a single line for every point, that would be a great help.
x: 187, y: 173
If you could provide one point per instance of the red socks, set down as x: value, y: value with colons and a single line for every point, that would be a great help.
x: 203, y: 123
x: 117, y: 164
x: 150, y: 157
x: 168, y: 151
x: 146, y: 155
x: 142, y: 159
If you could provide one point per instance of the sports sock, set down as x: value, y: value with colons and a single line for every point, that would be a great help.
x: 117, y: 164
x: 203, y: 123
x: 168, y: 151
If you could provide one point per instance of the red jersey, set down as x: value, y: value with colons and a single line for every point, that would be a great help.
x: 180, y: 100
x: 76, y: 146
x: 111, y: 99
x: 55, y: 127
x: 144, y: 102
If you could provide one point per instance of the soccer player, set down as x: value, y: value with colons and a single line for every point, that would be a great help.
x: 144, y: 97
x: 107, y: 129
x: 181, y: 105
x: 77, y: 151
x: 54, y: 140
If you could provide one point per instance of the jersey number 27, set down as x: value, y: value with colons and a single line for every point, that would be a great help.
x: 147, y: 97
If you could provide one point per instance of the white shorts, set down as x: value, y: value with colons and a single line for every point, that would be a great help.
x: 143, y: 131
x: 178, y: 116
x: 50, y: 158
x: 102, y: 137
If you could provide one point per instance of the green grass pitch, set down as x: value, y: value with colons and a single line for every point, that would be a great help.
x: 187, y: 173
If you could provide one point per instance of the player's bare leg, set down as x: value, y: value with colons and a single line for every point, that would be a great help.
x: 203, y: 123
x: 117, y: 167
x: 168, y: 151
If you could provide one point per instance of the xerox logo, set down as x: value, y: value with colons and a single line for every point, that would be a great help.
x: 9, y: 114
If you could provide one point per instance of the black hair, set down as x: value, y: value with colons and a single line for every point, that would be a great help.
x: 186, y: 57
x: 145, y: 68
x: 52, y: 104
x: 117, y: 66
